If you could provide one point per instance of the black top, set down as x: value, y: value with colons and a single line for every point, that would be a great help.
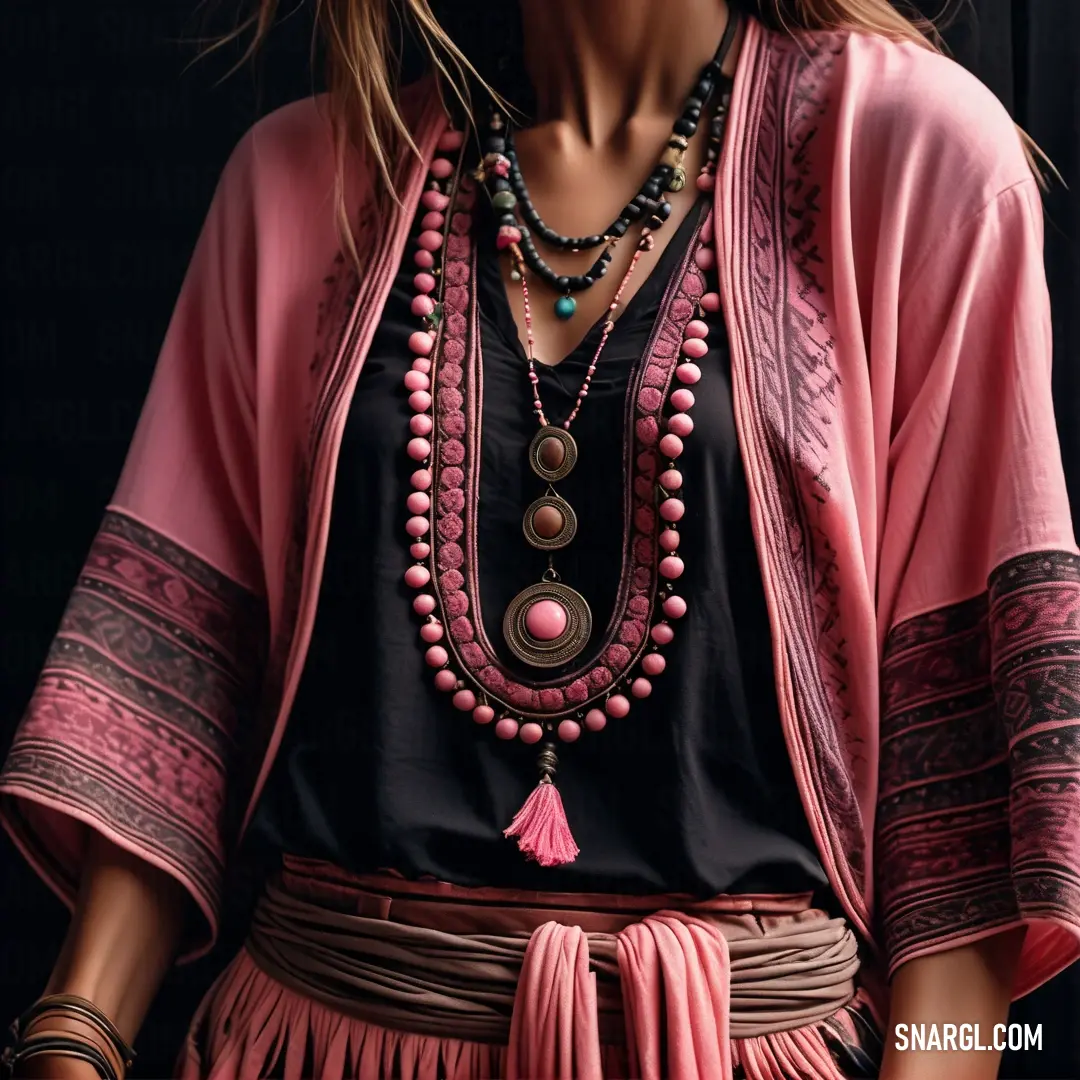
x: 692, y: 792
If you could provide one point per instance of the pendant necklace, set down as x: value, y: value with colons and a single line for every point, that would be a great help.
x: 547, y: 624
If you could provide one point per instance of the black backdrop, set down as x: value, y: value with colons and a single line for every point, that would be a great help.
x: 113, y: 148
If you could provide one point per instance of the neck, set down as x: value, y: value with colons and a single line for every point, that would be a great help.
x: 598, y: 64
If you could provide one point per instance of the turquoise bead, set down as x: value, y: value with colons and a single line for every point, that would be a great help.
x: 565, y: 306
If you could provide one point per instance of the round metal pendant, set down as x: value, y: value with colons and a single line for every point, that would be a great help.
x: 547, y: 624
x: 552, y: 453
x: 549, y: 523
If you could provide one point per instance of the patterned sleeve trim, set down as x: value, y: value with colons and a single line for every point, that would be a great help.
x: 978, y: 819
x: 134, y: 724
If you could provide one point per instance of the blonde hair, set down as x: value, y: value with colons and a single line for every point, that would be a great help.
x: 362, y: 39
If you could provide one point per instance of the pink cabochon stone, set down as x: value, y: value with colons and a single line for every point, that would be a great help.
x: 670, y: 446
x: 693, y: 347
x: 421, y: 479
x: 418, y: 449
x: 435, y: 221
x: 670, y: 480
x: 420, y: 341
x: 416, y: 380
x: 434, y: 200
x: 416, y: 577
x: 641, y: 688
x: 705, y: 258
x: 483, y: 714
x: 423, y: 305
x: 531, y: 733
x: 424, y: 259
x: 424, y: 604
x: 546, y: 620
x: 422, y: 364
x: 445, y: 680
x: 710, y: 301
x: 672, y: 509
x: 416, y: 526
x: 662, y: 634
x: 669, y: 539
x: 595, y: 720
x: 688, y: 374
x: 569, y: 730
x: 419, y: 502
x: 674, y: 607
x: 450, y: 140
x: 436, y: 656
x: 653, y: 664
x: 696, y: 328
x: 431, y: 632
x: 617, y: 705
x: 441, y: 168
x: 683, y: 399
x: 507, y: 728
x: 419, y: 401
x: 672, y: 567
x: 423, y: 282
x: 680, y: 424
x: 420, y: 550
x: 465, y: 700
x: 421, y: 424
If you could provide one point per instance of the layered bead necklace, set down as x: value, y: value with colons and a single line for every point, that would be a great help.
x: 510, y: 197
x: 547, y: 624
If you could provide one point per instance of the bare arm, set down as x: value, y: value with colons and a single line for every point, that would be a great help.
x: 122, y: 939
x: 971, y: 984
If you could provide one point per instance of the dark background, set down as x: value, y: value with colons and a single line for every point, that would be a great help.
x: 113, y: 146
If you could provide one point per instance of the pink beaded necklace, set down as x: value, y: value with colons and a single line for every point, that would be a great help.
x: 464, y: 666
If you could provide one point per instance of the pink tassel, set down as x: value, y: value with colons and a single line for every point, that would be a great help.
x: 542, y: 829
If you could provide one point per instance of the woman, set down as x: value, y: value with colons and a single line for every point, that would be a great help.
x: 547, y: 566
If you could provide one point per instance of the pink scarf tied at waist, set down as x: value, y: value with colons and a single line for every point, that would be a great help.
x: 431, y: 980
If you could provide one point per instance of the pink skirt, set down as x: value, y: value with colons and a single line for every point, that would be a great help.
x: 377, y: 978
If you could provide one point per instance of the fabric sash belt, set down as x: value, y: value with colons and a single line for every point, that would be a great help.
x: 556, y: 980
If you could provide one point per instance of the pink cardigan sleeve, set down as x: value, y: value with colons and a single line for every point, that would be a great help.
x: 133, y: 727
x: 978, y: 816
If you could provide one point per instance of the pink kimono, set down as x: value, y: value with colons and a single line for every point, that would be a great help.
x: 879, y: 237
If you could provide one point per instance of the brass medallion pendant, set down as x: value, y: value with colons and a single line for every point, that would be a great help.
x: 548, y: 624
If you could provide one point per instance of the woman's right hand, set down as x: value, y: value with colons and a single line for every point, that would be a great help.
x: 122, y: 939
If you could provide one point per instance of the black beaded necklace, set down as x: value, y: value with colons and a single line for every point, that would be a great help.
x: 510, y: 195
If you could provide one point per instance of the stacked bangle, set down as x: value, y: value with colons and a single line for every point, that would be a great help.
x: 102, y: 1046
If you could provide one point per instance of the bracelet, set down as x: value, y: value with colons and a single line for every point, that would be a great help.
x: 101, y: 1046
x: 65, y: 1045
x: 79, y: 1008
